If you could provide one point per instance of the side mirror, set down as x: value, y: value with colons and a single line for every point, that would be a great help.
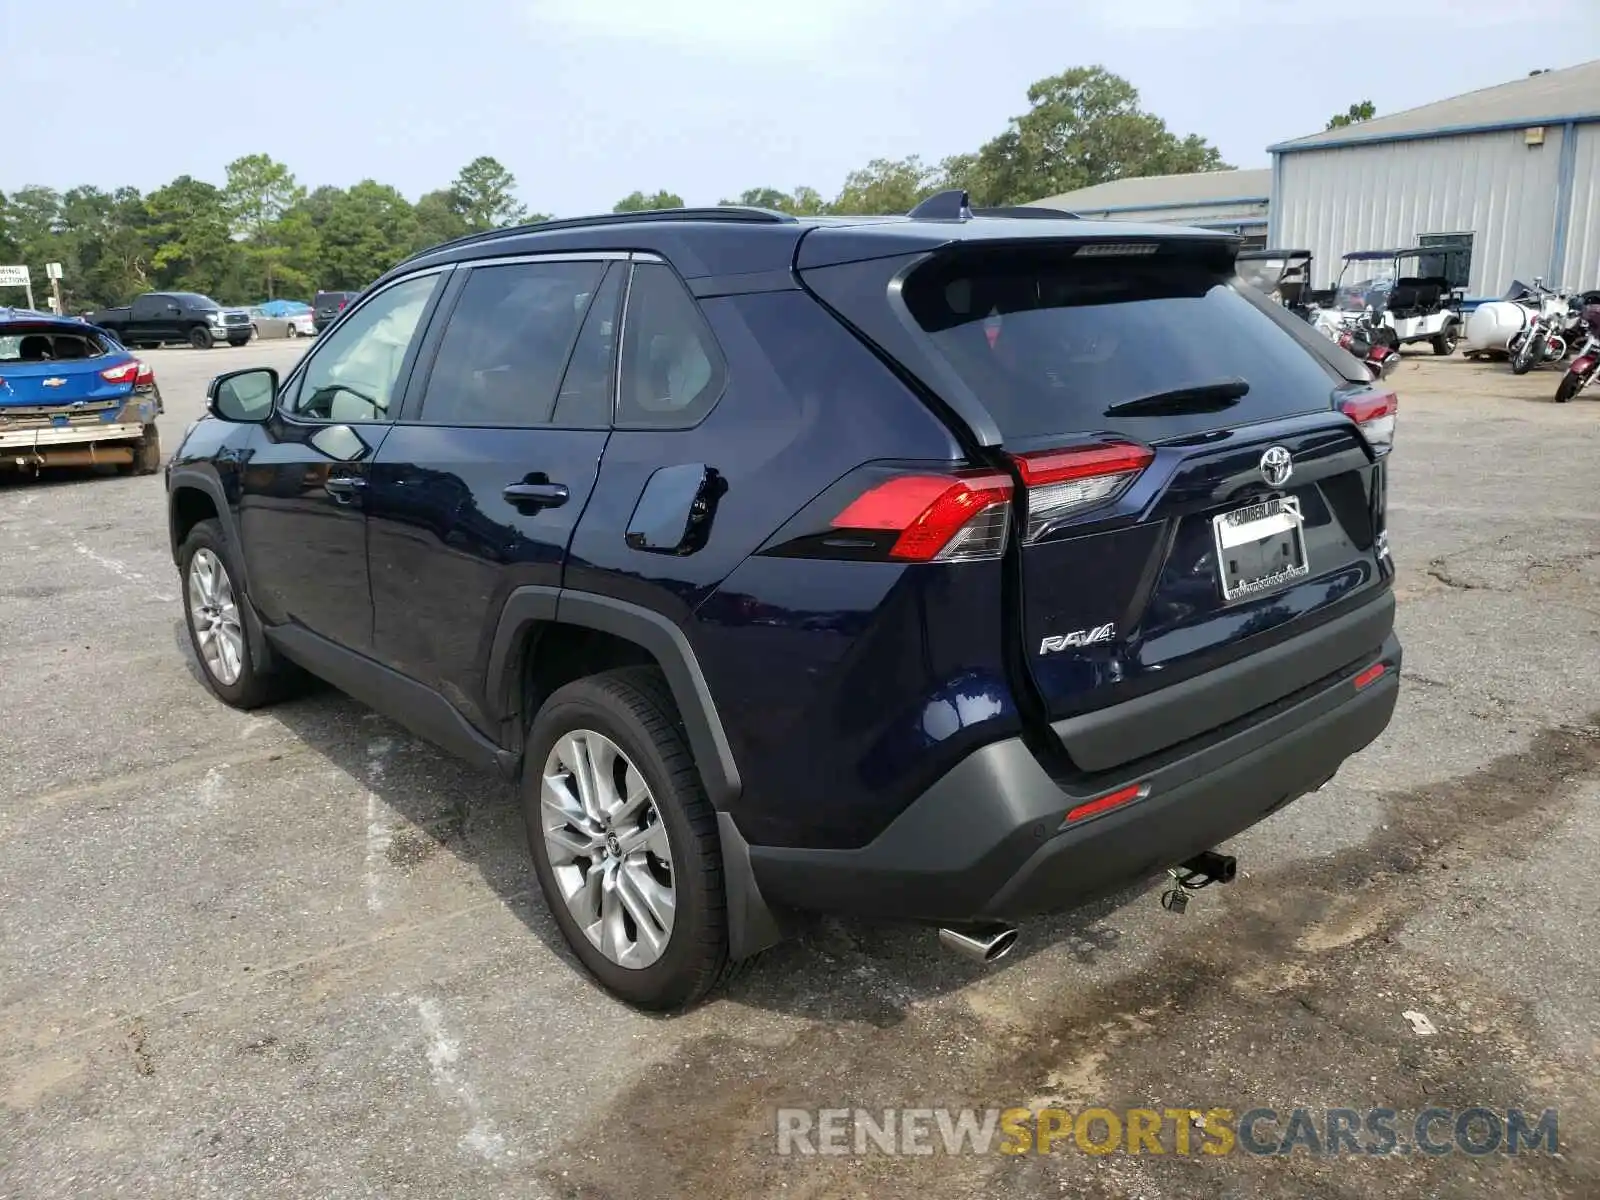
x: 244, y: 397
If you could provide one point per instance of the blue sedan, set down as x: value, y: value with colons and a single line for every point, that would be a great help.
x: 71, y: 395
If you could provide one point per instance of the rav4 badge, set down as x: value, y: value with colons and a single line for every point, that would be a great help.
x: 1078, y: 637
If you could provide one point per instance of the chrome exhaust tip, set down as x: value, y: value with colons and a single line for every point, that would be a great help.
x: 981, y: 943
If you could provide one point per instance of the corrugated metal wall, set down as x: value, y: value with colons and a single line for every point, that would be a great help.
x: 1582, y: 267
x: 1491, y: 185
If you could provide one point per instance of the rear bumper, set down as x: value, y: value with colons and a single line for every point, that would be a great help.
x: 986, y: 841
x: 20, y: 441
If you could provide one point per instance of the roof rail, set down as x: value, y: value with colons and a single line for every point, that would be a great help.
x: 1029, y: 211
x: 720, y: 212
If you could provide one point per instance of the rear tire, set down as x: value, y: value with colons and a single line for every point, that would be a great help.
x: 230, y: 671
x: 1445, y: 343
x: 146, y: 454
x: 293, y: 332
x: 200, y: 338
x: 629, y: 712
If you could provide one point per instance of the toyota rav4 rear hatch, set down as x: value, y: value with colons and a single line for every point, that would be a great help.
x: 1195, y: 482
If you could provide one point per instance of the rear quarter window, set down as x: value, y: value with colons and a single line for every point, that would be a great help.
x: 1049, y: 342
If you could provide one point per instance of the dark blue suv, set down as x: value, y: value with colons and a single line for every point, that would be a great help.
x: 948, y: 568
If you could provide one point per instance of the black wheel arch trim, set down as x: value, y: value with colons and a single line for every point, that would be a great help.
x: 206, y: 481
x: 527, y: 607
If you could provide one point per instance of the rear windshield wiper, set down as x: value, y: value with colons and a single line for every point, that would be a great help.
x: 1202, y: 398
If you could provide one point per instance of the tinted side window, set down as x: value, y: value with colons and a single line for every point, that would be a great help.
x: 506, y: 347
x: 585, y: 398
x: 672, y: 371
x: 353, y: 376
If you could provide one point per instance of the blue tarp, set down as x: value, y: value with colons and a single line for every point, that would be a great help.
x: 284, y: 308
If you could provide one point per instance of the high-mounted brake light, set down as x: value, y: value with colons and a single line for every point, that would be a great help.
x: 940, y: 518
x: 1375, y: 414
x: 1062, y: 483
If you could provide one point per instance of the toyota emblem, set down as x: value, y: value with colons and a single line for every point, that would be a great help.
x: 1276, y: 466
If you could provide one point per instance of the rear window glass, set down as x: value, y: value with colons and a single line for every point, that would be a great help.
x: 1050, y: 342
x: 20, y: 344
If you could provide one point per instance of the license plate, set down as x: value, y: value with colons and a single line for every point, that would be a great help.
x: 1260, y: 548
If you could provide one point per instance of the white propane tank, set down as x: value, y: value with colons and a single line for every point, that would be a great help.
x: 1491, y: 326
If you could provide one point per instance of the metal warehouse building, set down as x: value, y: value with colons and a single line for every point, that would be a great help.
x: 1231, y: 200
x: 1507, y: 178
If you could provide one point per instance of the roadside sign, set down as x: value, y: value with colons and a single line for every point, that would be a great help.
x: 52, y: 270
x: 14, y: 277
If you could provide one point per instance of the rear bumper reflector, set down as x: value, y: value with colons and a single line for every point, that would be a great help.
x: 1371, y: 675
x: 1100, y: 804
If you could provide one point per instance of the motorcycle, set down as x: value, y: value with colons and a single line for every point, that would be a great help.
x: 1583, y: 369
x: 1365, y: 336
x: 1541, y: 339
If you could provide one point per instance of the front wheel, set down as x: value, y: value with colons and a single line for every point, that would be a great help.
x: 293, y: 331
x: 1570, y: 384
x: 1529, y: 351
x: 200, y: 337
x: 624, y: 840
x: 213, y: 608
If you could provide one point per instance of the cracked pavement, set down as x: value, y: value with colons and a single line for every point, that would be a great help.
x: 297, y: 953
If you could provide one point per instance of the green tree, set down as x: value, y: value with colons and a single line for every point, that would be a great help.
x: 485, y: 195
x: 369, y: 228
x: 438, y: 219
x: 802, y: 202
x: 639, y: 202
x: 193, y: 245
x: 1082, y: 127
x: 1355, y: 114
x: 887, y: 186
x: 258, y: 194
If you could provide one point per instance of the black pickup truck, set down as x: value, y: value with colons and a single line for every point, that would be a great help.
x: 156, y: 318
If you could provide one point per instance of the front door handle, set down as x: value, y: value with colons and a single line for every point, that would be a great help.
x: 345, y: 488
x: 536, y: 495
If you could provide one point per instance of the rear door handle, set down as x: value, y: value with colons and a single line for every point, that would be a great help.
x: 536, y: 495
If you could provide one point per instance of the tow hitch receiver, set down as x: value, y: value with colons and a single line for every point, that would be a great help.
x: 1198, y: 872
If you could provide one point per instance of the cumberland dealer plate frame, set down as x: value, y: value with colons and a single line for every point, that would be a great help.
x: 1260, y: 548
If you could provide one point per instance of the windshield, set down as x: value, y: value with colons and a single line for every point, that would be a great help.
x: 1365, y: 284
x: 1052, y: 343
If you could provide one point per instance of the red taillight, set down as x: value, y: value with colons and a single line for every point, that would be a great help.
x: 965, y: 516
x: 1371, y: 675
x: 342, y: 303
x: 135, y: 372
x: 1375, y: 414
x: 945, y: 518
x: 1062, y: 483
x: 1116, y: 799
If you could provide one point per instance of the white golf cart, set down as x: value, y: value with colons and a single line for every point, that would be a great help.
x: 1416, y: 308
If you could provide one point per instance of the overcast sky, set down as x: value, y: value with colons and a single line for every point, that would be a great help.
x: 587, y: 100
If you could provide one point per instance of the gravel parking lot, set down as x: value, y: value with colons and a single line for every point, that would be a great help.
x: 298, y: 953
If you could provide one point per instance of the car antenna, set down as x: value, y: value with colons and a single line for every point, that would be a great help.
x: 951, y: 205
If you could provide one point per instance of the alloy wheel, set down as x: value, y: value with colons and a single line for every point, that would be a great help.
x: 214, y: 617
x: 608, y: 848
